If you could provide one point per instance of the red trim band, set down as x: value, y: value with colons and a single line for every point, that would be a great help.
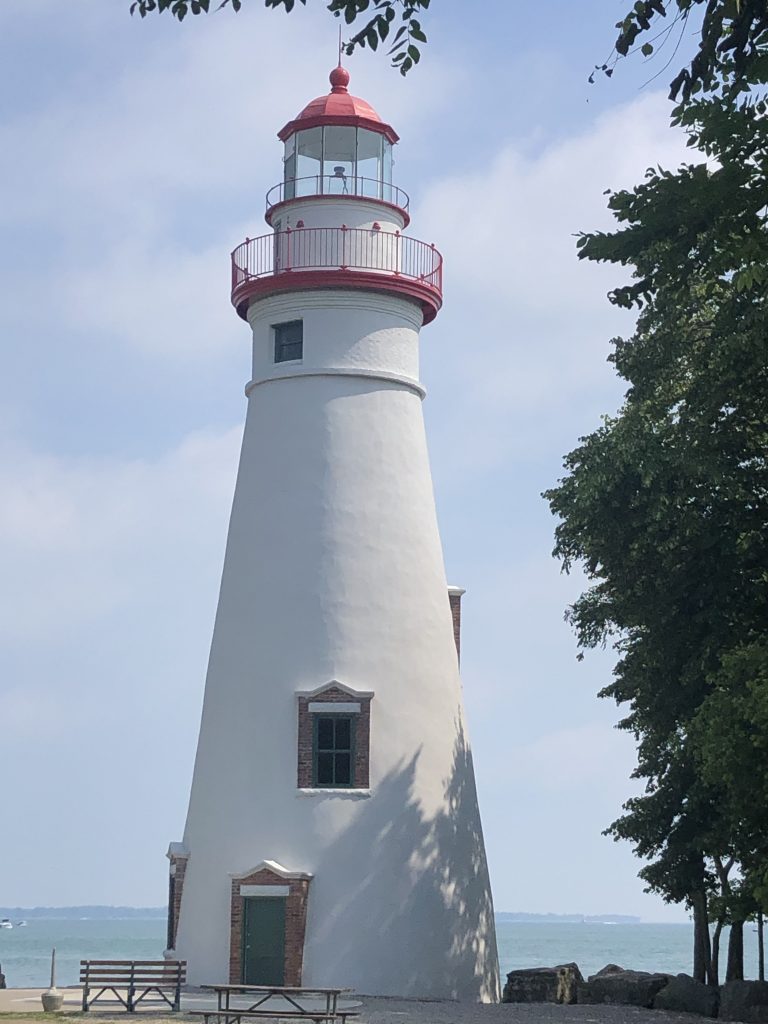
x: 428, y: 297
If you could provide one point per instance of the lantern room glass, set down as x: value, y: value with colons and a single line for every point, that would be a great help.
x: 369, y: 163
x: 309, y: 161
x: 339, y: 153
x: 338, y: 160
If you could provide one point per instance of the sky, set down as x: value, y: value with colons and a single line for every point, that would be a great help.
x: 134, y: 155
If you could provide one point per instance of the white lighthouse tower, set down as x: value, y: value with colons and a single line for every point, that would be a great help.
x: 333, y: 836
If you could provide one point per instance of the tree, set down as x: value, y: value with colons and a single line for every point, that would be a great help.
x: 732, y: 36
x: 666, y: 506
x: 732, y: 29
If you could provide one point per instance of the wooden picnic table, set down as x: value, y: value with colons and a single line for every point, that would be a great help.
x: 291, y: 995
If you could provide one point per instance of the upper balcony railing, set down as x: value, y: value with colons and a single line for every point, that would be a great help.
x: 338, y: 185
x: 338, y: 257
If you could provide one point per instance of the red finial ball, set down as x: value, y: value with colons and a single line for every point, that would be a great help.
x: 339, y: 79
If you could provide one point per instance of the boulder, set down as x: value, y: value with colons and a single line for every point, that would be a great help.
x: 626, y: 988
x: 543, y: 985
x: 609, y: 969
x: 684, y: 994
x: 744, y: 1001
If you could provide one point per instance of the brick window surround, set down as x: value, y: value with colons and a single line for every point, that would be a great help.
x: 271, y: 873
x: 330, y: 694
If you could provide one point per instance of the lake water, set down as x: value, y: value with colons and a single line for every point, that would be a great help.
x: 25, y: 952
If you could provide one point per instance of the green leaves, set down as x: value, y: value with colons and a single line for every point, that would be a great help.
x: 403, y: 45
x: 733, y: 41
x: 181, y: 8
x: 665, y: 506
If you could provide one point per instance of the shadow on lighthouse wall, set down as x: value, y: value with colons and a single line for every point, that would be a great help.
x: 421, y: 886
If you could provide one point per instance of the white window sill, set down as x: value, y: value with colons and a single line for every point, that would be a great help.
x: 359, y: 794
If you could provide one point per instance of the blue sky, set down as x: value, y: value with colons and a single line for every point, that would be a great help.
x: 133, y: 157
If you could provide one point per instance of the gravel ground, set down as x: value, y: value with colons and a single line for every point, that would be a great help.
x: 14, y: 1007
x: 402, y: 1011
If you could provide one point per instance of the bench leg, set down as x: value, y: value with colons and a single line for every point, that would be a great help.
x: 85, y: 999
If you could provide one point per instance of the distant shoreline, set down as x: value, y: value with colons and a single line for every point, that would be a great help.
x: 98, y: 912
x: 518, y: 917
x: 88, y: 913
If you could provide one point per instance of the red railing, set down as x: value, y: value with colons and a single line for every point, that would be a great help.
x: 347, y: 249
x: 338, y: 185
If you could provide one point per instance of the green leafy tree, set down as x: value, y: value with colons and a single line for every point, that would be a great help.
x: 666, y: 507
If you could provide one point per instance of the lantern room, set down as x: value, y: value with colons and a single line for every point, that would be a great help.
x: 338, y: 146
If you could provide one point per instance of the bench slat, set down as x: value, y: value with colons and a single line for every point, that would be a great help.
x: 119, y: 972
x: 138, y: 963
x: 144, y: 971
x: 137, y: 979
x: 125, y: 982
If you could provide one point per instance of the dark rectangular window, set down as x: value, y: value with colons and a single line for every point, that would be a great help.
x: 289, y: 341
x: 333, y: 750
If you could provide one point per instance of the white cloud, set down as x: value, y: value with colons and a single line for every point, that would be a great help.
x: 84, y: 539
x: 160, y: 299
x: 509, y: 235
x: 522, y: 343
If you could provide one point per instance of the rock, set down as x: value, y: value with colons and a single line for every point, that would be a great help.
x: 744, y: 1001
x: 609, y: 969
x: 684, y: 994
x: 543, y: 985
x: 626, y: 988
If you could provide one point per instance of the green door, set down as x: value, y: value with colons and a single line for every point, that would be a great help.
x: 264, y: 940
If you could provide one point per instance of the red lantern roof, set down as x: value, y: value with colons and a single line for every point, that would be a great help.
x: 338, y: 107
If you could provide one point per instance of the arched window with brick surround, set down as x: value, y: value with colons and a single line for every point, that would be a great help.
x: 334, y: 738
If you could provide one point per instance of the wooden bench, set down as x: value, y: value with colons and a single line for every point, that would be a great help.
x: 149, y: 981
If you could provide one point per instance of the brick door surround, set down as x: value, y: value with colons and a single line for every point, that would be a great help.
x: 270, y: 873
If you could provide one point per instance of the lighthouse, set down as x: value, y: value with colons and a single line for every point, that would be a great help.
x: 333, y: 835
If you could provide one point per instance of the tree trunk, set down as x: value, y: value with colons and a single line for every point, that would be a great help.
x: 760, y: 947
x: 723, y: 870
x: 701, y: 949
x: 713, y: 974
x: 734, y: 970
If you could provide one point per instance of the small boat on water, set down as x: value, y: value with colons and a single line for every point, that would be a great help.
x: 21, y: 924
x: 5, y: 923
